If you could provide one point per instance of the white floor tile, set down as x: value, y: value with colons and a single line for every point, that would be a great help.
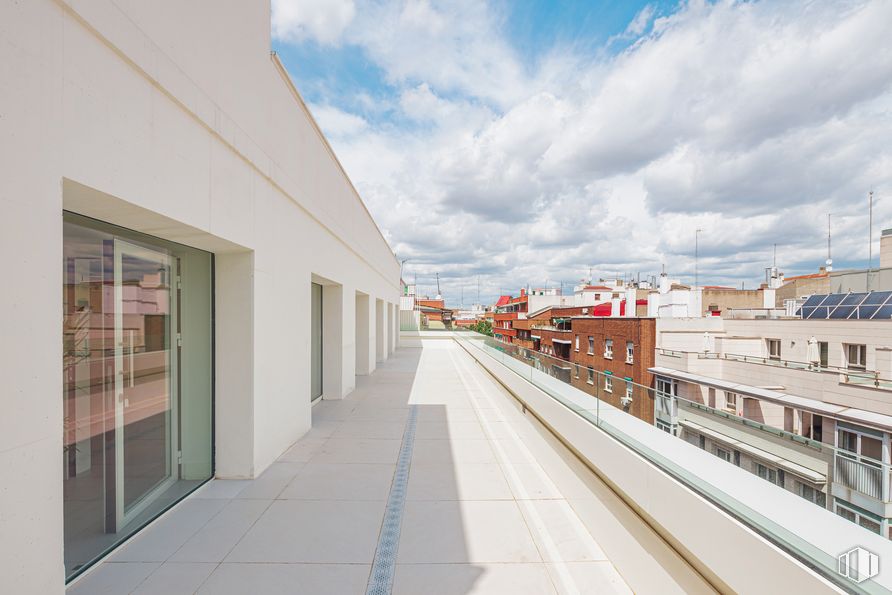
x: 287, y: 579
x: 438, y: 452
x: 312, y: 531
x: 472, y: 579
x: 340, y: 481
x: 470, y: 481
x: 175, y: 579
x: 214, y: 541
x: 113, y: 578
x: 457, y: 532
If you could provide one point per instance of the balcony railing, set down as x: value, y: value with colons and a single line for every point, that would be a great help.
x: 853, y: 376
x: 862, y: 474
x: 769, y: 516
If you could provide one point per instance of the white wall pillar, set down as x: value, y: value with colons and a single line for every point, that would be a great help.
x: 380, y: 331
x: 393, y: 327
x: 333, y: 343
x: 234, y: 364
x: 364, y: 334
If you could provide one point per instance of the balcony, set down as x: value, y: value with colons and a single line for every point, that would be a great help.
x: 434, y: 476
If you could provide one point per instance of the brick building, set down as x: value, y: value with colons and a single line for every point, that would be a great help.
x: 617, y: 350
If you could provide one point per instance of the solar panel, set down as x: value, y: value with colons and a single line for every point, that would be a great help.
x: 814, y: 300
x: 885, y: 312
x: 876, y: 298
x: 819, y: 313
x: 805, y: 312
x: 853, y: 299
x: 842, y: 312
x: 867, y: 312
x: 834, y: 299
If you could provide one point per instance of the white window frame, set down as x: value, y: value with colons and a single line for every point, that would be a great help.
x: 630, y: 352
x: 770, y: 345
x: 590, y: 376
x: 630, y: 390
x: 608, y: 348
x: 591, y: 345
x: 608, y: 383
x: 723, y: 454
x: 860, y: 359
x: 577, y: 342
x: 731, y: 401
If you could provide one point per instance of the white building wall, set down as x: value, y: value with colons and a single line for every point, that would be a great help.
x: 155, y: 117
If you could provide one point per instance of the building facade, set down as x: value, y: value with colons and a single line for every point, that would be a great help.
x: 218, y: 270
x: 610, y: 356
x: 801, y: 403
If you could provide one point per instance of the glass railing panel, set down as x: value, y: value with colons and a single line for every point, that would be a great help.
x: 599, y: 397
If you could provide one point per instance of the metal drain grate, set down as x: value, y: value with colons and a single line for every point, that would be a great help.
x: 381, y: 578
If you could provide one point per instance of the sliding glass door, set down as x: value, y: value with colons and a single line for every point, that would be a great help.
x: 137, y: 379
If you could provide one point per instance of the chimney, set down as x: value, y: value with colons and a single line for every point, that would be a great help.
x: 614, y: 307
x: 886, y: 249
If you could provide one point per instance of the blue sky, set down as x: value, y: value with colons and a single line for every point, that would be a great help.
x: 527, y: 142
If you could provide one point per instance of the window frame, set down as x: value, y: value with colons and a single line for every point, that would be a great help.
x: 630, y: 352
x: 861, y: 351
x: 608, y: 348
x: 770, y: 344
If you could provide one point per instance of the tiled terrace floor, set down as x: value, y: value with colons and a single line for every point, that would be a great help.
x: 491, y: 505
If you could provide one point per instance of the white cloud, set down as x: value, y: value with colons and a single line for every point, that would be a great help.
x: 337, y: 123
x: 751, y: 120
x: 321, y: 20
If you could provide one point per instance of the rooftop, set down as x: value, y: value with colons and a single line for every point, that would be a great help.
x: 492, y: 504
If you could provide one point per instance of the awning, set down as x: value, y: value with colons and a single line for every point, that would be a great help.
x: 795, y: 468
x: 560, y: 341
x: 858, y: 416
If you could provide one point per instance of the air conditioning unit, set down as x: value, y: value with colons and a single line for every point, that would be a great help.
x: 585, y: 310
x: 626, y: 401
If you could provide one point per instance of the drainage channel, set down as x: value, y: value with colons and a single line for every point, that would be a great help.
x: 381, y: 577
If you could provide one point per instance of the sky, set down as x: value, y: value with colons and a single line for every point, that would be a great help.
x: 526, y: 143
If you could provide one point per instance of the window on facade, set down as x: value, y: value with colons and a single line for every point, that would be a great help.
x: 608, y: 384
x: 812, y: 495
x: 731, y: 401
x: 767, y: 473
x: 577, y: 343
x: 856, y: 356
x: 591, y: 345
x: 824, y: 353
x: 591, y: 376
x: 608, y: 348
x: 702, y: 441
x: 662, y: 425
x: 576, y: 370
x: 858, y: 516
x: 630, y: 352
x: 774, y: 348
x: 723, y: 454
x: 630, y: 389
x: 667, y: 387
x: 737, y: 458
x: 137, y: 380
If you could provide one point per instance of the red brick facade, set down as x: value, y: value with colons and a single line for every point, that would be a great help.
x: 641, y: 333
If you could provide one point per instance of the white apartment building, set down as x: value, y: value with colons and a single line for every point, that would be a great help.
x: 802, y: 403
x: 168, y: 198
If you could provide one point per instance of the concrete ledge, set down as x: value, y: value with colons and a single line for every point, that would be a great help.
x: 730, y: 555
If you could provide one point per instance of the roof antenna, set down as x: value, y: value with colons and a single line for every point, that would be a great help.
x: 869, y: 236
x: 438, y: 284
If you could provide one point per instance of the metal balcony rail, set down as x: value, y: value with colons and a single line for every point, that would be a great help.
x: 854, y: 376
x: 862, y: 474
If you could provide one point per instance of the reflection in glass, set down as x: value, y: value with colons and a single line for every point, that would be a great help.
x: 137, y: 383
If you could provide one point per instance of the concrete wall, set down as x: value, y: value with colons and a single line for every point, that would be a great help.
x: 163, y: 119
